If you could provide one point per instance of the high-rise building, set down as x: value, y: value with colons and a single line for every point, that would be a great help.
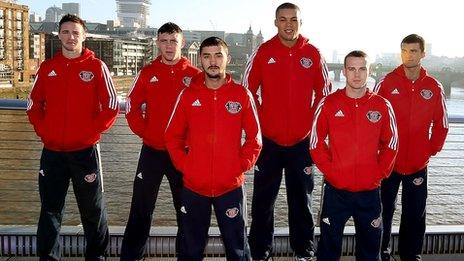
x: 71, y: 8
x: 53, y: 14
x: 133, y: 13
x: 14, y: 43
x: 35, y: 18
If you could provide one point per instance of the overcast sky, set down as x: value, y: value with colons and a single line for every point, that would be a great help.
x: 370, y: 25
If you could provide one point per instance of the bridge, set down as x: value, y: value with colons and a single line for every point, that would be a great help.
x: 446, y: 75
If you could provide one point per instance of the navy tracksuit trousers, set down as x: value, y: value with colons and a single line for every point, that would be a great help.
x: 413, y: 213
x: 299, y: 182
x: 337, y: 207
x: 230, y: 210
x: 152, y: 166
x: 56, y: 170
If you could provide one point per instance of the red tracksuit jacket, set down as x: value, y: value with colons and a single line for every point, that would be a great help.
x: 211, y: 123
x: 418, y: 106
x: 289, y: 79
x: 72, y: 102
x: 362, y: 140
x: 157, y: 86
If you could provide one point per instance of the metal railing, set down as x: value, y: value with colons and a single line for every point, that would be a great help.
x: 20, y: 240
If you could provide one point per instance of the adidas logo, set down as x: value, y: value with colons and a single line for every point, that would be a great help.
x: 52, y: 73
x: 196, y: 103
x: 153, y: 79
x: 140, y: 175
x: 395, y: 91
x: 339, y: 114
x: 271, y: 60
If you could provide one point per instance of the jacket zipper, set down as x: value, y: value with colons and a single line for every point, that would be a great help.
x: 213, y: 143
x: 411, y: 99
x: 356, y: 127
x: 287, y: 131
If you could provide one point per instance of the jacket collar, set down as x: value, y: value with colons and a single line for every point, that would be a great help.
x: 400, y: 71
x: 299, y: 42
x: 199, y: 83
x: 86, y: 54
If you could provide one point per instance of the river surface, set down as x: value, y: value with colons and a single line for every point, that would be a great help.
x: 19, y: 161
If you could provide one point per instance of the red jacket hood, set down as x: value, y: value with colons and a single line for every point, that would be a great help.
x: 198, y: 83
x: 86, y: 54
x: 300, y: 42
x: 400, y: 72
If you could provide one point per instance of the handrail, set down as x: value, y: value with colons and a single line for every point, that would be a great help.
x: 17, y: 104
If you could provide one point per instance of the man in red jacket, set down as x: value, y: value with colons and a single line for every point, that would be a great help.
x: 209, y: 117
x: 72, y: 102
x: 289, y: 73
x: 156, y: 87
x: 419, y: 103
x: 361, y: 149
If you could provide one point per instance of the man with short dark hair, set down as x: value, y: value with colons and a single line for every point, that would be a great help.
x: 209, y: 118
x: 419, y: 103
x: 156, y: 87
x: 361, y: 148
x: 291, y: 77
x: 72, y: 102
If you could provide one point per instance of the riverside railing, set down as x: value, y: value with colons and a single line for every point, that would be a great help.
x: 19, y: 202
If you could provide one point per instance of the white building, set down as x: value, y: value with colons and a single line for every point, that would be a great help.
x: 133, y: 13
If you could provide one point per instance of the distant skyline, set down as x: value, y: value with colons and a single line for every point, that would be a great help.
x: 373, y: 26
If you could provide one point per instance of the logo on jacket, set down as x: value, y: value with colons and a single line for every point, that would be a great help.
x: 418, y: 181
x: 196, y: 103
x: 339, y: 114
x: 183, y: 210
x: 187, y: 80
x: 306, y: 62
x: 52, y: 73
x: 86, y: 76
x: 307, y: 170
x: 232, y: 212
x: 41, y: 172
x: 233, y: 107
x: 426, y: 94
x: 326, y: 220
x: 376, y: 222
x: 140, y: 175
x: 90, y: 178
x: 153, y: 79
x: 271, y: 60
x: 373, y: 116
x: 395, y: 91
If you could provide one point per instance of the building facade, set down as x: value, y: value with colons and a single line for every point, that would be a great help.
x: 133, y: 13
x: 71, y: 8
x: 53, y: 14
x: 14, y: 44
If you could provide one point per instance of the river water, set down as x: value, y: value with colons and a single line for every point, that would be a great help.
x: 20, y: 152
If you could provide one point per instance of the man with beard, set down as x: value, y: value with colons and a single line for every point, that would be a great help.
x: 209, y: 118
